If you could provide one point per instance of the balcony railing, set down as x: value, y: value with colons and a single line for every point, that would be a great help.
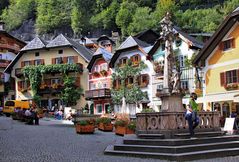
x: 18, y: 72
x: 97, y: 93
x: 11, y: 47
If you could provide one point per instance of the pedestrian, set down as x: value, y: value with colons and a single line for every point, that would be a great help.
x: 36, y: 117
x: 191, y: 114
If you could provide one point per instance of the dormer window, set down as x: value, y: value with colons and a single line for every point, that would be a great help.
x: 227, y: 44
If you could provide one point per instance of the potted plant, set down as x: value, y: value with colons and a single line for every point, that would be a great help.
x: 123, y: 127
x: 104, y: 124
x: 85, y: 126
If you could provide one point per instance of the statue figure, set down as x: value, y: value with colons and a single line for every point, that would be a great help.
x: 175, y: 81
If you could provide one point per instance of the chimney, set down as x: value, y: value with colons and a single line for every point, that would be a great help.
x: 2, y: 25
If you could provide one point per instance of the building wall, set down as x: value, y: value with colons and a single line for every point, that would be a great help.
x: 47, y: 55
x: 147, y: 70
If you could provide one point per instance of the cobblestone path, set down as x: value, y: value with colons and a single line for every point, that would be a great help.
x: 54, y: 141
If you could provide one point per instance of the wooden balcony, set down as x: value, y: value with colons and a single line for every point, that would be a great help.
x: 18, y: 72
x: 4, y: 63
x: 10, y: 47
x: 97, y: 93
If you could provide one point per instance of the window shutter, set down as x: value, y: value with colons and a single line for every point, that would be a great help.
x: 22, y: 64
x: 32, y: 62
x: 233, y: 43
x: 42, y: 61
x: 19, y: 85
x: 65, y: 60
x: 221, y: 46
x: 53, y: 60
x: 75, y: 59
x: 222, y: 79
x: 237, y: 75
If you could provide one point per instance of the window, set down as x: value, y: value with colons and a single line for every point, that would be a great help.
x: 184, y: 85
x: 104, y: 67
x: 104, y: 85
x: 59, y: 60
x: 163, y: 46
x: 99, y: 109
x: 159, y: 87
x: 227, y: 44
x: 37, y: 54
x: 123, y: 61
x: 27, y: 63
x: 60, y: 51
x: 231, y: 76
x: 70, y: 60
x: 92, y: 86
x: 131, y: 80
x: 182, y: 60
x: 55, y: 81
x: 143, y: 80
x: 97, y: 68
x: 37, y: 62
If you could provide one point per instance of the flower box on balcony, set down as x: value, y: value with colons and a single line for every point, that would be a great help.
x: 103, y: 72
x: 231, y: 86
x: 96, y: 74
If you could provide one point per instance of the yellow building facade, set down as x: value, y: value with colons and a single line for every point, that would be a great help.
x: 61, y: 50
x: 219, y: 60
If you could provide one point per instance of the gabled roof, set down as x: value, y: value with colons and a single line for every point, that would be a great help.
x: 184, y: 36
x: 149, y: 36
x: 129, y: 44
x: 36, y: 43
x: 59, y: 41
x: 105, y: 37
x: 217, y: 37
x: 132, y: 42
x: 11, y: 36
x: 100, y: 53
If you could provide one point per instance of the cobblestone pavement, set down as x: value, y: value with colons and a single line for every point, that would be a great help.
x: 54, y: 141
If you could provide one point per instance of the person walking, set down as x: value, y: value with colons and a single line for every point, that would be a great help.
x: 191, y: 114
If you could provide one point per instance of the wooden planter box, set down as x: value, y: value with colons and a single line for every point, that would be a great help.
x: 105, y: 127
x: 84, y: 128
x: 119, y: 130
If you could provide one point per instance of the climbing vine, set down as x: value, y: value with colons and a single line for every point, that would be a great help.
x: 35, y: 73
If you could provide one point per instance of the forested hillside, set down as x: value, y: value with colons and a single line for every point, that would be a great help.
x: 126, y: 16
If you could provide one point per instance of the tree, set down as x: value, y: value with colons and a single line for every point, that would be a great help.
x: 142, y: 20
x: 17, y: 12
x: 125, y: 16
x: 52, y: 14
x: 3, y: 4
x: 163, y: 6
x: 70, y: 94
x: 106, y: 18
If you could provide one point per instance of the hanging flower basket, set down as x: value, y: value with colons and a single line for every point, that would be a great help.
x: 103, y: 72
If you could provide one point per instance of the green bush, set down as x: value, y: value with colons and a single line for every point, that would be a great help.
x: 121, y: 123
x: 103, y: 120
x: 132, y: 125
x: 147, y: 110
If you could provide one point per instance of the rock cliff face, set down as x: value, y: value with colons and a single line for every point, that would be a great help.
x: 27, y: 31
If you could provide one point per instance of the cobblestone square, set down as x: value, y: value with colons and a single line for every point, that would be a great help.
x: 56, y: 141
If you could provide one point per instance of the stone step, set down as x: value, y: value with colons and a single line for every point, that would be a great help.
x: 177, y: 149
x: 151, y: 136
x: 200, y: 134
x: 133, y: 140
x: 206, y: 154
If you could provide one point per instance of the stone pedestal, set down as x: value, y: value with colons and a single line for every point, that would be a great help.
x: 172, y: 103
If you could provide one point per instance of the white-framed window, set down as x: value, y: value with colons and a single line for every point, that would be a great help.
x: 27, y: 63
x: 59, y: 60
x: 70, y: 60
x: 96, y: 68
x: 159, y: 87
x: 55, y: 81
x: 104, y: 66
x: 107, y: 108
x: 92, y: 86
x: 184, y: 84
x: 37, y: 62
x: 99, y: 109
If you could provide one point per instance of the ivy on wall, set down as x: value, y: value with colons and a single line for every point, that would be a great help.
x: 35, y: 73
x: 133, y: 94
